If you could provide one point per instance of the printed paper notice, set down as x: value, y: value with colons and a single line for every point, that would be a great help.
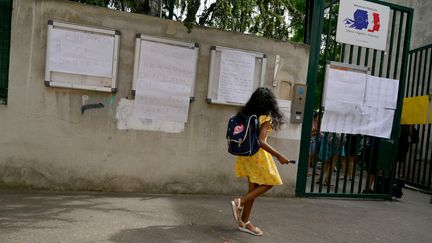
x: 357, y: 119
x: 344, y: 86
x: 382, y: 92
x: 236, y: 76
x: 377, y: 122
x: 341, y: 118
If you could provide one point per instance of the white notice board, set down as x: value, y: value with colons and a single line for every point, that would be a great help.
x: 234, y: 75
x: 164, y: 78
x: 81, y: 57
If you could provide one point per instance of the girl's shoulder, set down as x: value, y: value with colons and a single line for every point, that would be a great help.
x: 264, y: 118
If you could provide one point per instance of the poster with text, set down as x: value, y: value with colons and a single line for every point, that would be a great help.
x: 165, y: 79
x: 236, y: 76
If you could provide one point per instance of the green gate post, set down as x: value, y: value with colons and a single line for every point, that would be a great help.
x: 5, y: 29
x: 403, y: 78
x: 314, y: 53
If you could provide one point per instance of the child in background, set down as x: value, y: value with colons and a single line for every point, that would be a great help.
x: 315, y: 138
x: 260, y: 168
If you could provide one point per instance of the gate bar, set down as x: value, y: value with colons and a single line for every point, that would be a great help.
x: 314, y: 52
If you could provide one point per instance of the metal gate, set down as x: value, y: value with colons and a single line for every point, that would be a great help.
x: 417, y: 170
x: 5, y: 29
x: 340, y: 165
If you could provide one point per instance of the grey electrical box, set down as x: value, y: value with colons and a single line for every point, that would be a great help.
x: 298, y: 103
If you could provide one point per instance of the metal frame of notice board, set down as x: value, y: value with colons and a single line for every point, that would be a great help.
x: 181, y: 44
x: 215, y: 63
x: 77, y: 80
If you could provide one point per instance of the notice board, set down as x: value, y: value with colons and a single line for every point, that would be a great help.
x: 234, y: 75
x: 81, y: 57
x: 164, y: 78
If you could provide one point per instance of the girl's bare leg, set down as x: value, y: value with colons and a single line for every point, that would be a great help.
x: 247, y: 208
x: 247, y: 201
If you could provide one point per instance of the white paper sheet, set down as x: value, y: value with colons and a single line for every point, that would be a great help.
x: 344, y: 86
x: 377, y: 122
x: 236, y: 76
x: 357, y: 119
x: 79, y: 52
x: 342, y: 118
x: 126, y: 119
x: 382, y: 92
x: 165, y: 78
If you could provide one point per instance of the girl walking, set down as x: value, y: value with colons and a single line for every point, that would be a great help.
x: 260, y: 168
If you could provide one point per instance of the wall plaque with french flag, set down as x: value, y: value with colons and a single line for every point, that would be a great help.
x: 363, y: 23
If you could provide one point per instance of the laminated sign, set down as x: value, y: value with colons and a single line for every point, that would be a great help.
x: 362, y: 23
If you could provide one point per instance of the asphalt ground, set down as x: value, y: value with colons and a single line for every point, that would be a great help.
x: 34, y: 216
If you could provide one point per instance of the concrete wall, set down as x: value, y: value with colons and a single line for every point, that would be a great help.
x: 47, y: 143
x: 421, y: 31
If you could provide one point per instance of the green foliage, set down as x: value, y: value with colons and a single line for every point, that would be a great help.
x: 192, y: 9
x: 269, y: 18
x: 278, y: 19
x: 101, y: 3
x: 330, y: 49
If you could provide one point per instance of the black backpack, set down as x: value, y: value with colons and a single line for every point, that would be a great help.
x: 243, y: 135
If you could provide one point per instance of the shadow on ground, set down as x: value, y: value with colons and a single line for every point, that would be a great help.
x: 26, y: 209
x: 173, y: 233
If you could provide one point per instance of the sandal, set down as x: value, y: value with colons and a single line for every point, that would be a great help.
x: 255, y: 231
x: 236, y: 209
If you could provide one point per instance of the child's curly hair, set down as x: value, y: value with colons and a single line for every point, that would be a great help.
x: 263, y: 102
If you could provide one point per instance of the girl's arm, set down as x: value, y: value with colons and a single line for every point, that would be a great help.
x: 262, y: 139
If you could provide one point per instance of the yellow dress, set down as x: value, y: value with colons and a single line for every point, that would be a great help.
x: 260, y: 167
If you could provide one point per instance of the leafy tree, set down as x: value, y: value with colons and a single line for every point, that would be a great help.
x: 330, y: 50
x: 278, y: 19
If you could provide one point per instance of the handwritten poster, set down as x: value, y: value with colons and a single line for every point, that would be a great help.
x: 78, y: 52
x: 165, y: 78
x: 236, y: 76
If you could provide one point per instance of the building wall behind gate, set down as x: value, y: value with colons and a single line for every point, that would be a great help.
x: 421, y: 32
x: 46, y: 142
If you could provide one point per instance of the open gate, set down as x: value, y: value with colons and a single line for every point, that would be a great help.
x: 417, y: 170
x: 340, y: 165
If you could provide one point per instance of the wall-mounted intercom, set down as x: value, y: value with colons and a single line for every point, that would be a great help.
x: 298, y: 103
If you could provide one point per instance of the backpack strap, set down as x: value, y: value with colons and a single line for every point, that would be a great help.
x: 247, y: 129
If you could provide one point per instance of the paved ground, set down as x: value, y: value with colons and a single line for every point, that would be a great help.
x: 113, y: 217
